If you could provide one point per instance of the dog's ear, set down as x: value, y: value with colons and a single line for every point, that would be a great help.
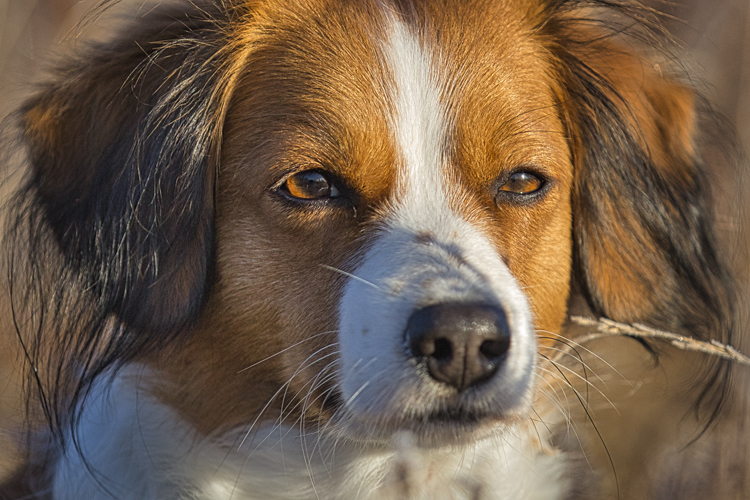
x: 120, y: 149
x: 642, y: 225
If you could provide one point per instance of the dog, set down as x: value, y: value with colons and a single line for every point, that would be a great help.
x: 327, y: 249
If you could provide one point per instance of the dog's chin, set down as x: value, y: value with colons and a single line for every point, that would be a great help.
x: 448, y: 426
x: 454, y: 427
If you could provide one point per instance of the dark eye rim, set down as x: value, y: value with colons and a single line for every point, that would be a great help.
x: 279, y: 189
x: 509, y: 197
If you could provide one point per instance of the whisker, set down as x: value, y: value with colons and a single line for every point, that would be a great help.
x: 352, y: 276
x: 571, y: 344
x: 279, y: 422
x: 583, y: 401
x: 285, y: 350
x: 540, y: 420
x: 589, y: 416
x: 588, y: 383
x: 587, y: 369
x: 297, y: 403
x: 577, y: 357
x: 555, y: 397
x: 299, y: 369
x: 284, y: 387
x: 307, y: 403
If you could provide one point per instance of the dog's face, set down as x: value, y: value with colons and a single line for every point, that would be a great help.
x: 389, y: 188
x: 367, y: 214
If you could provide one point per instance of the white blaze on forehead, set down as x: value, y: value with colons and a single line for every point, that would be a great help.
x: 419, y: 119
x: 427, y: 253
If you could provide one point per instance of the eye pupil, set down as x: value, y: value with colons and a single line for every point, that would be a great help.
x: 522, y: 183
x: 310, y: 185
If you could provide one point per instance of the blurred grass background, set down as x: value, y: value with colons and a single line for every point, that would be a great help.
x: 715, y: 34
x: 30, y: 31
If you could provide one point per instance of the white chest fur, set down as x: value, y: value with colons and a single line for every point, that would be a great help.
x: 137, y: 448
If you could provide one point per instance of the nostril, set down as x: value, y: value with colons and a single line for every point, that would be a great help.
x: 493, y: 349
x: 443, y: 350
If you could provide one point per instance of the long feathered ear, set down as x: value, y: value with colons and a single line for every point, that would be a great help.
x: 120, y: 149
x: 644, y: 246
x: 642, y: 223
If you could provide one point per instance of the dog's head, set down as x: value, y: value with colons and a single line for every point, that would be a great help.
x: 368, y: 213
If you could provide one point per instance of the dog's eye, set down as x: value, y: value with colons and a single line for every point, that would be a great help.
x: 522, y: 183
x: 310, y: 185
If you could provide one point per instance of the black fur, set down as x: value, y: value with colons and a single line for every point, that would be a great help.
x: 122, y: 148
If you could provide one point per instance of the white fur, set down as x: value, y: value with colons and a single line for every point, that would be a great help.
x: 138, y: 449
x: 426, y: 253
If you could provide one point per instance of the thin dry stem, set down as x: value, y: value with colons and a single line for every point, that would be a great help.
x: 608, y: 328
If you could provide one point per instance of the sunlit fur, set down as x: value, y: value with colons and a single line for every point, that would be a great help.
x: 193, y: 331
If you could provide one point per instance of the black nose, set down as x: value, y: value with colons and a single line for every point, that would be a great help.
x: 462, y: 344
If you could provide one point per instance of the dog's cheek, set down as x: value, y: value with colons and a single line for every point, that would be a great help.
x: 537, y: 246
x: 546, y: 275
x: 271, y: 320
x: 263, y: 264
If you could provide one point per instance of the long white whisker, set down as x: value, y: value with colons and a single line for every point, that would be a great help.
x: 578, y: 361
x: 570, y: 370
x: 306, y: 403
x: 284, y: 387
x: 571, y: 344
x: 285, y: 350
x: 557, y: 400
x: 299, y: 369
x: 353, y: 276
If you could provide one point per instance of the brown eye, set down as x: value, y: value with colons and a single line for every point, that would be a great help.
x: 310, y: 185
x: 522, y: 183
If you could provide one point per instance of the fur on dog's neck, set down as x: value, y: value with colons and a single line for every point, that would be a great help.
x: 134, y: 447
